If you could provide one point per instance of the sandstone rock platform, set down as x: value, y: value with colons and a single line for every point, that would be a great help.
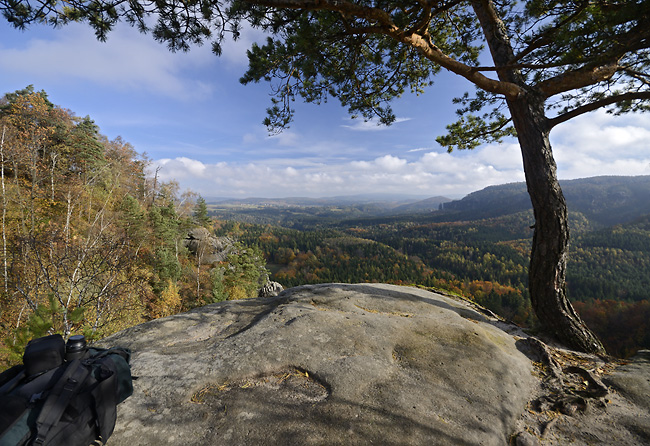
x: 331, y: 364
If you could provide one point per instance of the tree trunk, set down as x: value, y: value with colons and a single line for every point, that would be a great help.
x: 547, y: 271
x: 4, y: 212
x: 550, y: 249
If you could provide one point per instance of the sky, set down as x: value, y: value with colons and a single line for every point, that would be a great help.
x: 199, y: 126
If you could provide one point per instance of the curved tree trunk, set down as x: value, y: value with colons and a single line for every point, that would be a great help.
x: 547, y: 271
x: 548, y: 259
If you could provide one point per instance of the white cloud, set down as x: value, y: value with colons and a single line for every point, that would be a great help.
x: 291, y: 172
x: 285, y: 138
x: 370, y: 125
x: 506, y: 156
x: 597, y: 145
x: 602, y: 144
x: 317, y: 157
x: 250, y: 138
x: 390, y: 163
x: 127, y: 61
x: 362, y: 165
x: 182, y: 168
x: 431, y: 174
x: 234, y: 52
x: 604, y: 135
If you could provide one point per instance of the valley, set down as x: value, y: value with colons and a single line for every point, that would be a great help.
x: 477, y: 247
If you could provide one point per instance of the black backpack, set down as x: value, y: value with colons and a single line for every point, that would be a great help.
x: 62, y: 396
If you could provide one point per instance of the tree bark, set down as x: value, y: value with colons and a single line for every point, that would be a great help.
x: 548, y: 259
x: 4, y: 212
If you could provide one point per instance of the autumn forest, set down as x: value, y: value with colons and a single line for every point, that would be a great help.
x: 93, y: 242
x: 477, y: 248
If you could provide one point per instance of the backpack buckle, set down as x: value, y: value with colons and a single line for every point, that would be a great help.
x: 70, y: 385
x: 35, y: 397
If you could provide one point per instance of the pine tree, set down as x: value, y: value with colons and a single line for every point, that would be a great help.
x: 200, y: 214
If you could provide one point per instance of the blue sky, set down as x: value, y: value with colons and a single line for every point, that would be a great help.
x: 191, y: 116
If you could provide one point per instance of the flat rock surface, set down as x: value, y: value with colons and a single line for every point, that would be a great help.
x: 325, y: 365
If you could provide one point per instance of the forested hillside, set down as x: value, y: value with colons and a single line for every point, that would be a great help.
x: 484, y: 259
x: 91, y: 243
x: 605, y: 201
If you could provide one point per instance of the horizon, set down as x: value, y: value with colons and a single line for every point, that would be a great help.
x: 200, y: 127
x: 405, y: 197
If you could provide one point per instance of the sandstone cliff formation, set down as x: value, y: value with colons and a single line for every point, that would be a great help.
x: 208, y: 248
x: 366, y: 364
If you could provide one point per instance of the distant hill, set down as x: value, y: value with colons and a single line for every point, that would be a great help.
x: 606, y: 200
x: 387, y: 201
x: 296, y: 212
x: 428, y: 205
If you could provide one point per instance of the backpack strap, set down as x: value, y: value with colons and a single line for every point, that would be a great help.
x: 98, y: 353
x: 11, y: 383
x: 59, y: 398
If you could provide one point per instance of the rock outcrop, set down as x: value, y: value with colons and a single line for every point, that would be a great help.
x: 270, y: 289
x: 208, y: 248
x: 334, y: 365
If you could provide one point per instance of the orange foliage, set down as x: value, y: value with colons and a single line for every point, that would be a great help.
x: 623, y: 327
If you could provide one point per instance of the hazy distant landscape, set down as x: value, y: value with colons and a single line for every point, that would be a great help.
x: 477, y: 246
x: 605, y: 201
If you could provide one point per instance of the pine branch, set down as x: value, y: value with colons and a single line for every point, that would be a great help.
x: 641, y: 95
